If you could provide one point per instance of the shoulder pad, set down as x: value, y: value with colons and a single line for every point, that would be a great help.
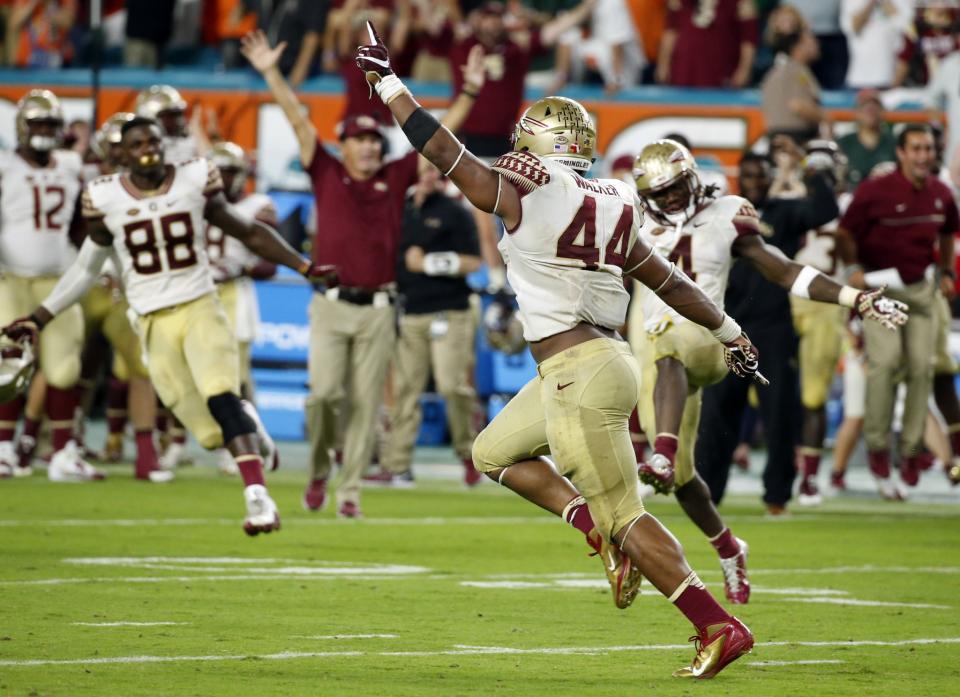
x: 523, y: 170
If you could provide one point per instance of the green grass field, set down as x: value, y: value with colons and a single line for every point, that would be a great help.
x: 122, y: 588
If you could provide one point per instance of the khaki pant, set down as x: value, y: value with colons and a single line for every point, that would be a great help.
x: 61, y: 341
x: 191, y: 357
x: 450, y: 354
x: 350, y: 346
x: 228, y: 292
x: 819, y: 327
x: 943, y: 363
x: 904, y: 354
x: 702, y: 358
x: 577, y: 410
x: 105, y: 312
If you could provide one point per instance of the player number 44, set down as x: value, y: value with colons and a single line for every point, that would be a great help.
x: 585, y: 220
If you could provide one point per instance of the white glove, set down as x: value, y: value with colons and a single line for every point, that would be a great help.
x: 441, y: 264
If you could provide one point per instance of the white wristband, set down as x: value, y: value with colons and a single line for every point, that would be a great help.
x: 728, y: 331
x: 389, y: 88
x: 848, y: 296
x: 441, y: 264
x: 801, y: 285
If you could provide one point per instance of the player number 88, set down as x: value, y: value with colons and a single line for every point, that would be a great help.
x: 177, y: 232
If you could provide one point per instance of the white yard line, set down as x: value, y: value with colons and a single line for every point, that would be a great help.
x: 867, y: 603
x: 335, y: 637
x: 458, y: 650
x: 127, y: 624
x: 200, y: 522
x: 765, y: 664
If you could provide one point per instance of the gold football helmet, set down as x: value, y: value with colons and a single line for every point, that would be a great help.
x: 667, y: 178
x: 39, y: 105
x: 109, y: 134
x: 826, y: 156
x: 227, y: 155
x: 558, y: 128
x: 501, y: 326
x: 17, y: 366
x: 158, y: 99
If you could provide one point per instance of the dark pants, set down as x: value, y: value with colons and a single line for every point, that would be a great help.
x: 831, y: 68
x: 780, y: 411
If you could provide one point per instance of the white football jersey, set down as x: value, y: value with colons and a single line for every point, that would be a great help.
x: 819, y: 248
x: 177, y: 149
x: 36, y: 209
x: 702, y: 248
x: 158, y: 237
x: 229, y: 253
x: 565, y: 258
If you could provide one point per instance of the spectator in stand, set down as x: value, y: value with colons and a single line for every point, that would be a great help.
x: 763, y: 310
x: 790, y: 92
x: 874, y: 29
x: 708, y: 43
x: 299, y: 24
x: 928, y: 41
x: 229, y: 20
x: 149, y: 28
x: 872, y: 142
x: 823, y: 16
x: 608, y: 46
x: 942, y: 93
x: 359, y: 202
x: 898, y: 229
x: 346, y: 28
x: 41, y: 31
x: 438, y: 248
x: 507, y: 57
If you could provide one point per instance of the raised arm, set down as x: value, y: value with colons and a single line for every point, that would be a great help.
x: 264, y: 59
x: 552, y: 30
x: 483, y: 187
x: 264, y: 241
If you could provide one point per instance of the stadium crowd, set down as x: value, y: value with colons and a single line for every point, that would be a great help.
x: 140, y: 238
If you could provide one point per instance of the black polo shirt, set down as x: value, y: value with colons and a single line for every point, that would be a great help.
x: 441, y: 224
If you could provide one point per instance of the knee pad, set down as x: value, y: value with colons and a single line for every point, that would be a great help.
x: 229, y: 414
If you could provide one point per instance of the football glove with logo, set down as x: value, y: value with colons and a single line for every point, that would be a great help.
x: 743, y: 359
x: 873, y: 304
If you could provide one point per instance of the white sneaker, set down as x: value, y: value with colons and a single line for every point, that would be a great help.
x: 225, y: 462
x: 268, y: 448
x: 262, y: 513
x: 66, y: 465
x: 160, y: 476
x: 8, y: 459
x: 889, y: 489
x: 171, y: 456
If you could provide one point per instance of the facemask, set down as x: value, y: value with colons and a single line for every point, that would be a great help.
x: 43, y: 143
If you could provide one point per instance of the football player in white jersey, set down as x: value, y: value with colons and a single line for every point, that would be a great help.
x: 702, y: 235
x: 164, y: 104
x: 152, y: 219
x: 819, y: 327
x: 39, y: 187
x: 235, y: 267
x: 568, y: 244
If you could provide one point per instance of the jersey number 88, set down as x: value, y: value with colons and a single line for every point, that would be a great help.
x: 176, y: 229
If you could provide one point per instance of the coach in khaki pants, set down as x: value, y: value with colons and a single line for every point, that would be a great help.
x: 439, y: 246
x: 899, y: 231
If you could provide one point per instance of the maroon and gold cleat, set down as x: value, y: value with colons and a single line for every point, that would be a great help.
x: 657, y: 472
x: 623, y: 576
x: 315, y: 497
x: 717, y: 650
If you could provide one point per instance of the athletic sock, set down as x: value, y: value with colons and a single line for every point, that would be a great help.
x: 27, y: 443
x: 577, y: 514
x: 9, y: 415
x: 879, y: 463
x: 666, y: 444
x: 810, y: 459
x: 117, y: 405
x: 695, y: 602
x: 725, y: 544
x: 60, y: 408
x: 251, y: 468
x: 146, y: 452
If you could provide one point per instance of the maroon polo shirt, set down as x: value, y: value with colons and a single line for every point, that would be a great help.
x: 709, y: 35
x: 897, y: 225
x: 358, y: 222
x: 498, y: 104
